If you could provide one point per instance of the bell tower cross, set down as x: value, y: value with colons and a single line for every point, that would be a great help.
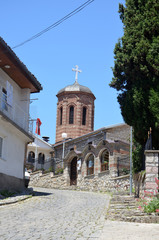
x: 76, y: 69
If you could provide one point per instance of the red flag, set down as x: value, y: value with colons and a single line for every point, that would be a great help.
x: 38, y: 124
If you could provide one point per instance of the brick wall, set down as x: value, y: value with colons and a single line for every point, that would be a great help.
x: 78, y: 101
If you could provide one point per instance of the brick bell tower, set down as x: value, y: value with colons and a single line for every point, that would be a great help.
x: 75, y: 110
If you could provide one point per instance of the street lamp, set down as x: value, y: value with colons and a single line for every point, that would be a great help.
x: 64, y: 136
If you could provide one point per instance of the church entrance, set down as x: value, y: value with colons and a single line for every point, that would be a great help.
x: 73, y: 172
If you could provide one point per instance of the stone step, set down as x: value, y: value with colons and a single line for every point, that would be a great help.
x: 125, y: 208
x: 127, y: 213
x: 140, y: 219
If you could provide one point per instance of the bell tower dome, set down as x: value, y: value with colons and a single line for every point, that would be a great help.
x: 75, y: 110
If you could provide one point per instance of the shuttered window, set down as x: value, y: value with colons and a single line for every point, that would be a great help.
x: 1, y: 142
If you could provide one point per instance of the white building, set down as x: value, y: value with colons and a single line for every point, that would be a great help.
x: 16, y: 85
x: 39, y: 154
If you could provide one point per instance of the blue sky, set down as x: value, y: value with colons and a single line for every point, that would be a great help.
x: 87, y: 39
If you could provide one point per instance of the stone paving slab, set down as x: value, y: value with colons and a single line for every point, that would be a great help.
x: 129, y: 231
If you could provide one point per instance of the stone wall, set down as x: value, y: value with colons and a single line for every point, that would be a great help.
x: 47, y: 180
x: 101, y: 182
x: 152, y: 169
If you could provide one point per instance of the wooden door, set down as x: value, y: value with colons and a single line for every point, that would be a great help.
x: 73, y: 172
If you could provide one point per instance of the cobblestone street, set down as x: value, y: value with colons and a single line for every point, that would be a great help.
x: 62, y: 214
x: 55, y: 214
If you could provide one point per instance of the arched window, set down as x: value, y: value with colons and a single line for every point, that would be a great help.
x: 41, y: 158
x: 90, y: 165
x: 61, y: 113
x: 104, y: 160
x: 31, y: 157
x: 84, y: 116
x: 71, y: 115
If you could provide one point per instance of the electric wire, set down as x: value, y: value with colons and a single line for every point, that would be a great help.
x: 80, y: 8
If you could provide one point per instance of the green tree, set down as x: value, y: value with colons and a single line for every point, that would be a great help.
x: 136, y: 68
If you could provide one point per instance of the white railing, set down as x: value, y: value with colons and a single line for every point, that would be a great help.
x: 15, y: 113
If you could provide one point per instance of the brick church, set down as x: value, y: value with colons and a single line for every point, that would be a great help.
x: 89, y: 157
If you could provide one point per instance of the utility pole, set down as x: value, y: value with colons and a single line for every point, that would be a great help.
x: 130, y: 161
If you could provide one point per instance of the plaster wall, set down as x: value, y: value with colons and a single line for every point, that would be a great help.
x: 19, y: 111
x: 13, y: 150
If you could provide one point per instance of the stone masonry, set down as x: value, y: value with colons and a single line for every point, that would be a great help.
x: 152, y: 169
x: 96, y: 183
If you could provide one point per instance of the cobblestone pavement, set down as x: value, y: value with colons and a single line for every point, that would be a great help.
x: 70, y: 215
x: 55, y: 215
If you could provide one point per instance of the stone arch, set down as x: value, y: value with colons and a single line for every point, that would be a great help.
x: 70, y: 156
x: 104, y: 144
x: 73, y: 171
x: 88, y: 149
x: 70, y: 165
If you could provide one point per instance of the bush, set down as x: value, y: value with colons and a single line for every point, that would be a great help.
x: 51, y: 169
x: 152, y: 206
x: 7, y: 193
x: 59, y: 171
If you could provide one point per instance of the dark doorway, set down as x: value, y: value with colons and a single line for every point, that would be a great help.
x: 73, y: 172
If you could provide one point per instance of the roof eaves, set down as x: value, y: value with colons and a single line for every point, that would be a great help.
x: 20, y: 64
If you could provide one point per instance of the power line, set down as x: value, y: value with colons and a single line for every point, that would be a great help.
x: 80, y: 8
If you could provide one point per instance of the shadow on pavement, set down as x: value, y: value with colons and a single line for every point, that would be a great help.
x: 37, y: 193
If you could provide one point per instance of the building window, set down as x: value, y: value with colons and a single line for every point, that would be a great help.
x: 41, y: 158
x: 105, y: 161
x: 84, y: 116
x: 71, y: 115
x: 61, y: 115
x: 31, y: 157
x: 4, y: 99
x: 90, y: 165
x: 1, y: 143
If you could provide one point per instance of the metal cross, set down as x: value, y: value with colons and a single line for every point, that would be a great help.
x: 77, y: 71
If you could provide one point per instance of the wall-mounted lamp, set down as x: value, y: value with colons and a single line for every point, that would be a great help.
x: 7, y: 66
